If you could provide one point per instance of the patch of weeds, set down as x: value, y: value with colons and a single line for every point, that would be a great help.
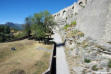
x: 94, y: 68
x: 109, y: 64
x: 87, y: 60
x: 78, y: 33
x: 66, y: 26
x: 73, y: 23
x: 75, y: 31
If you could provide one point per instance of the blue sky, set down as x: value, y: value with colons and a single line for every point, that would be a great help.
x: 16, y: 10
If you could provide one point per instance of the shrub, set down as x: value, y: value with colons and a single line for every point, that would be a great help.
x: 109, y: 64
x: 94, y: 68
x: 87, y: 60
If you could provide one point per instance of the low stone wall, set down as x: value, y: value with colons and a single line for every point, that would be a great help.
x: 52, y: 66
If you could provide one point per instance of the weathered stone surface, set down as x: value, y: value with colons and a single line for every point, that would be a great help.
x: 78, y: 69
x: 93, y: 18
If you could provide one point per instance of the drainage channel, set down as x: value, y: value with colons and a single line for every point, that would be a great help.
x: 52, y: 69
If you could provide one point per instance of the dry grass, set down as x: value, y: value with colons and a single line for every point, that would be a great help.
x: 74, y: 33
x: 42, y: 64
x: 25, y: 58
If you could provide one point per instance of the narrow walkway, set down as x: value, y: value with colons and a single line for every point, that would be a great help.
x: 61, y: 64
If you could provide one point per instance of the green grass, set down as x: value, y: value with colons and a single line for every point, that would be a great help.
x: 70, y: 25
x: 66, y: 26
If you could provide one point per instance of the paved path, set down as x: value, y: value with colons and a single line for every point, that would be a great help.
x: 62, y: 66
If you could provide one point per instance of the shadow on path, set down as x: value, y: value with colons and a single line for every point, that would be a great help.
x: 61, y: 44
x: 53, y: 61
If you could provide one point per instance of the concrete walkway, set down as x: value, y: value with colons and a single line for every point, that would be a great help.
x: 62, y: 66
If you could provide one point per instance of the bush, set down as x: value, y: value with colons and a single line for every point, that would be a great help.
x: 94, y: 68
x: 109, y: 64
x: 87, y: 60
x: 4, y: 33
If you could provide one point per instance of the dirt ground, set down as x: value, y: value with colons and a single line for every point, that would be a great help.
x: 26, y: 59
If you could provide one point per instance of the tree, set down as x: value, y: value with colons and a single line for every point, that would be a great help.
x: 42, y: 24
x: 4, y: 33
x: 27, y: 26
x: 39, y: 25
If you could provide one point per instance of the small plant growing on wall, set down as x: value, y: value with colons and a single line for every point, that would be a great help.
x: 87, y: 60
x: 66, y: 26
x: 73, y: 23
x: 94, y: 68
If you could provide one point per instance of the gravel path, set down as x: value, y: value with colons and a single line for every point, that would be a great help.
x: 62, y: 66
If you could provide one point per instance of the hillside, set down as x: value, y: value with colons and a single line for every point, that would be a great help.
x: 13, y: 25
x: 86, y: 27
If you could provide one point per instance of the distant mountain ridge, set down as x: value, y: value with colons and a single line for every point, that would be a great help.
x: 14, y: 25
